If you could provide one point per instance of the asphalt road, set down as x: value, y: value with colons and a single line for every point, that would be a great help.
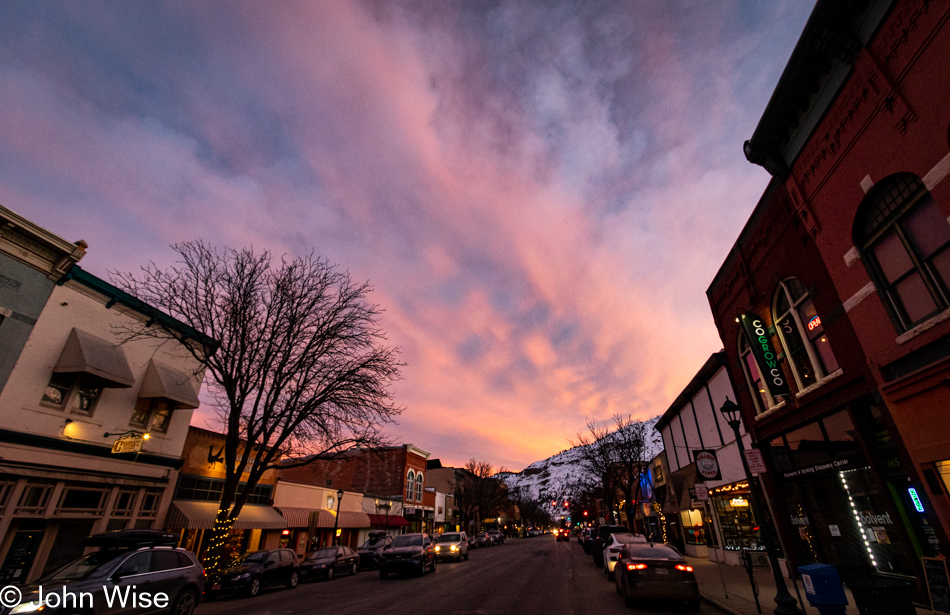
x: 525, y: 577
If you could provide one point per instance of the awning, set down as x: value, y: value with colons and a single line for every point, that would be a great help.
x: 185, y: 514
x: 388, y: 521
x: 167, y: 383
x: 297, y: 517
x: 348, y: 519
x: 85, y: 353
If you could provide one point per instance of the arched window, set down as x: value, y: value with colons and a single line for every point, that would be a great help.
x: 419, y: 478
x: 904, y: 240
x: 802, y: 334
x: 410, y: 484
x: 753, y: 377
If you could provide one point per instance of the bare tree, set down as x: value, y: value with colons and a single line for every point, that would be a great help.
x: 299, y: 367
x: 617, y: 453
x: 477, y: 491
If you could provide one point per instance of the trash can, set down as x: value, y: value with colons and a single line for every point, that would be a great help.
x: 823, y: 589
x: 883, y: 594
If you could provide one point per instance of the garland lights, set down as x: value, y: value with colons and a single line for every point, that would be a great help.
x: 220, y: 534
x: 857, y: 518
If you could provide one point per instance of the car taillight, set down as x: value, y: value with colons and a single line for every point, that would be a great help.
x: 632, y: 566
x: 684, y: 568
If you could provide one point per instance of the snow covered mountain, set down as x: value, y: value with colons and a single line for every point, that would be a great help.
x: 552, y: 477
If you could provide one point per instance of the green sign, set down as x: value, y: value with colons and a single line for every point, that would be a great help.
x: 765, y: 357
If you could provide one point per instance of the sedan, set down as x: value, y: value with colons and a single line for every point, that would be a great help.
x: 655, y: 570
x: 615, y: 543
x: 328, y: 562
x: 483, y: 539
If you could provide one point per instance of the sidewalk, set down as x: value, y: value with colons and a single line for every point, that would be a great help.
x: 728, y: 588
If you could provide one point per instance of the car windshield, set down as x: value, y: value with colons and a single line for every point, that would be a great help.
x: 254, y: 558
x: 645, y: 551
x: 374, y: 542
x: 407, y: 540
x: 323, y: 553
x: 82, y: 568
x: 449, y: 538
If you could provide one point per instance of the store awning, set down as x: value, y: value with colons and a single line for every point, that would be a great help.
x: 297, y: 517
x: 388, y: 520
x: 85, y: 353
x: 185, y: 514
x: 167, y: 383
x: 348, y: 519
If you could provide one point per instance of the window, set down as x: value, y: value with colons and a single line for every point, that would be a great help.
x: 150, y: 501
x: 760, y: 393
x: 419, y: 487
x: 904, y: 239
x: 802, y: 334
x: 33, y: 499
x: 82, y: 500
x: 153, y: 414
x: 204, y: 489
x: 410, y: 485
x: 74, y: 392
x: 124, y: 501
x: 137, y: 564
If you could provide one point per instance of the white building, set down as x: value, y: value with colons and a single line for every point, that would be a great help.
x: 72, y: 393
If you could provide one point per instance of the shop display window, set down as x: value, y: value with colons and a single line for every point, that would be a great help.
x: 736, y: 521
x: 693, y: 527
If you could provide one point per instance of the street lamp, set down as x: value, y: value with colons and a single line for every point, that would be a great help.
x: 786, y: 604
x: 336, y: 522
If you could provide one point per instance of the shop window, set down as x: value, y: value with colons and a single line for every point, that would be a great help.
x: 736, y: 521
x: 150, y: 501
x: 6, y: 488
x: 410, y: 484
x: 124, y: 502
x: 808, y: 446
x: 693, y: 527
x: 780, y: 456
x: 205, y: 489
x: 760, y: 394
x: 34, y: 498
x: 802, y: 334
x: 82, y: 500
x: 153, y: 414
x: 74, y: 392
x: 419, y: 487
x: 904, y: 241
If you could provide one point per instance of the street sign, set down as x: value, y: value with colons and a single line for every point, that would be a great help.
x: 702, y: 492
x: 755, y: 460
x: 129, y: 443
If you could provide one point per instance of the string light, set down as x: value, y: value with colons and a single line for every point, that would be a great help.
x: 857, y: 518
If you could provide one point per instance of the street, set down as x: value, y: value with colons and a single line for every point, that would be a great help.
x: 524, y: 576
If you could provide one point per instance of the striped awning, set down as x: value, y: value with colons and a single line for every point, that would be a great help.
x: 185, y: 514
x: 388, y: 521
x: 348, y: 519
x: 297, y: 517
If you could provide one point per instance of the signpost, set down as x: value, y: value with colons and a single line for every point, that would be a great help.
x: 755, y: 460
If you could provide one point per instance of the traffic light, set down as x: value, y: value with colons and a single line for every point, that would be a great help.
x: 585, y: 513
x: 565, y: 503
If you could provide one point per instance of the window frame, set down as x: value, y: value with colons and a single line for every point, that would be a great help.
x: 410, y: 486
x: 745, y: 350
x: 817, y: 365
x: 938, y: 289
x: 77, y: 382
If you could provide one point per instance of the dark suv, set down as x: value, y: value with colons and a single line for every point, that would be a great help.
x: 408, y: 552
x: 142, y: 561
x: 601, y: 537
x: 371, y: 550
x: 256, y: 570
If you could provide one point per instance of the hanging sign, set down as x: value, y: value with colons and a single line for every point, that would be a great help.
x: 130, y: 443
x: 765, y: 357
x: 707, y: 465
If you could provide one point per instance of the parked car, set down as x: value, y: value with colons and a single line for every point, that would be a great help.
x: 483, y: 539
x: 472, y: 542
x: 408, y: 552
x: 328, y: 562
x: 655, y: 571
x: 615, y: 543
x: 371, y: 549
x: 601, y: 535
x: 146, y: 559
x: 562, y: 534
x: 497, y: 537
x: 256, y: 570
x: 452, y: 545
x: 582, y: 537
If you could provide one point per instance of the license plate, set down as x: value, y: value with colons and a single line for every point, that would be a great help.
x: 216, y: 587
x: 662, y: 571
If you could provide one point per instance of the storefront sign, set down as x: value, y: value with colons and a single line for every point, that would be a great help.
x: 707, y: 465
x: 131, y: 443
x: 818, y: 467
x: 915, y: 499
x: 738, y: 502
x: 765, y: 357
x: 814, y: 323
x: 702, y: 492
x: 755, y: 460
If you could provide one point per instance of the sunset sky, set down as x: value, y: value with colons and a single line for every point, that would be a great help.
x: 540, y: 192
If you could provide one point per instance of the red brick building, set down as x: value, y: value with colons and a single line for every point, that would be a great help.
x: 855, y: 137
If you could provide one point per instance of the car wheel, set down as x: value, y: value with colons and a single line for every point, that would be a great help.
x: 185, y: 603
x: 422, y: 569
x: 383, y: 574
x: 329, y: 573
x: 254, y: 587
x: 432, y: 566
x: 294, y: 579
x: 354, y: 568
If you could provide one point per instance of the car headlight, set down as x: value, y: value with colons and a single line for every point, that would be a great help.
x: 438, y: 548
x: 30, y: 605
x: 455, y: 548
x: 241, y: 576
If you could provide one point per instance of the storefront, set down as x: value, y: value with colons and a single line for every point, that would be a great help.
x: 194, y: 520
x: 732, y: 507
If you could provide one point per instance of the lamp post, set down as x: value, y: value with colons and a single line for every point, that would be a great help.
x: 336, y: 522
x: 785, y: 603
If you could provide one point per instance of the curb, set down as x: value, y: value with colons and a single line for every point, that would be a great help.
x: 719, y: 605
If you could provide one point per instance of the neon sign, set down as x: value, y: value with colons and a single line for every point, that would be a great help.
x: 814, y: 323
x: 739, y: 502
x: 913, y: 496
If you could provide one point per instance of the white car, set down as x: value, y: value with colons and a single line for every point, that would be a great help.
x: 612, y: 549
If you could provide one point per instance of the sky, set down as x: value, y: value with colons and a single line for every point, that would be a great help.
x: 539, y: 192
